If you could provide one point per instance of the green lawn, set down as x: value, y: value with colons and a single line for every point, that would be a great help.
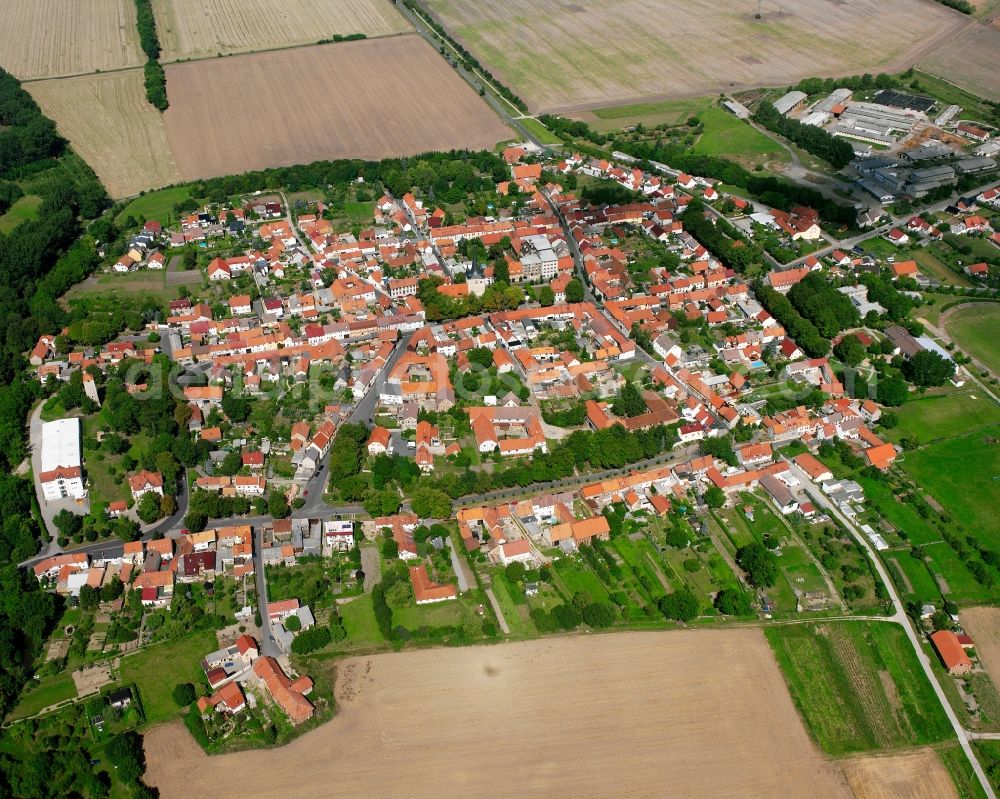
x: 858, y: 686
x: 989, y: 756
x: 359, y: 621
x: 158, y: 205
x: 726, y: 135
x: 917, y: 577
x: 962, y: 587
x: 156, y: 669
x: 577, y: 576
x: 358, y: 213
x: 960, y: 770
x: 944, y: 413
x: 511, y: 600
x: 45, y: 692
x: 637, y: 559
x: 437, y: 614
x: 975, y: 328
x: 801, y: 572
x: 950, y: 94
x: 934, y: 267
x: 24, y: 209
x: 880, y: 499
x: 962, y: 474
x: 765, y: 521
x: 539, y: 131
x: 143, y: 282
x: 668, y: 112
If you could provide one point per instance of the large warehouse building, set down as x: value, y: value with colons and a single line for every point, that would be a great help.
x: 61, y: 472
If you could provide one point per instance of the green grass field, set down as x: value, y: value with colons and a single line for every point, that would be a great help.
x: 917, y: 577
x: 158, y: 205
x: 961, y: 474
x: 438, y: 614
x: 934, y: 267
x: 726, y: 135
x: 976, y: 329
x: 962, y: 587
x: 143, y: 282
x: 24, y: 209
x: 901, y: 515
x: 950, y: 94
x: 577, y: 576
x: 155, y: 670
x: 668, y: 112
x: 45, y: 692
x: 858, y: 686
x: 801, y: 572
x: 944, y: 413
x: 989, y: 756
x: 962, y: 775
x: 511, y: 601
x: 359, y: 621
x: 540, y: 132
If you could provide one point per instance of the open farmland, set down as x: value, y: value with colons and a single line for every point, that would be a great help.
x: 589, y: 53
x: 705, y: 712
x: 983, y: 624
x: 859, y: 686
x: 45, y: 38
x: 915, y: 775
x: 367, y: 99
x: 970, y: 60
x: 200, y: 28
x: 109, y: 123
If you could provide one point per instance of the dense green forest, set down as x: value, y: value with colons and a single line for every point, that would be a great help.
x: 38, y: 262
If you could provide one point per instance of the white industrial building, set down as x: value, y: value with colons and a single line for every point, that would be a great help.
x: 61, y: 474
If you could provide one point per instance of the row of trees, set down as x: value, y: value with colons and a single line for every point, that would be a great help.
x: 811, y: 138
x: 813, y: 86
x: 772, y: 191
x: 149, y: 40
x: 469, y: 61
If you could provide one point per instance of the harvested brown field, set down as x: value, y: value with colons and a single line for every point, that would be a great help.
x: 109, y: 123
x: 983, y: 624
x: 914, y: 775
x: 687, y: 713
x: 972, y: 61
x: 45, y: 38
x: 200, y: 28
x: 367, y: 99
x: 592, y: 53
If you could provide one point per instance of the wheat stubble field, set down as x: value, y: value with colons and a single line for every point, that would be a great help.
x: 45, y: 38
x: 688, y: 713
x: 204, y: 28
x: 983, y: 624
x: 591, y: 53
x: 368, y: 99
x: 914, y: 775
x: 109, y: 123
